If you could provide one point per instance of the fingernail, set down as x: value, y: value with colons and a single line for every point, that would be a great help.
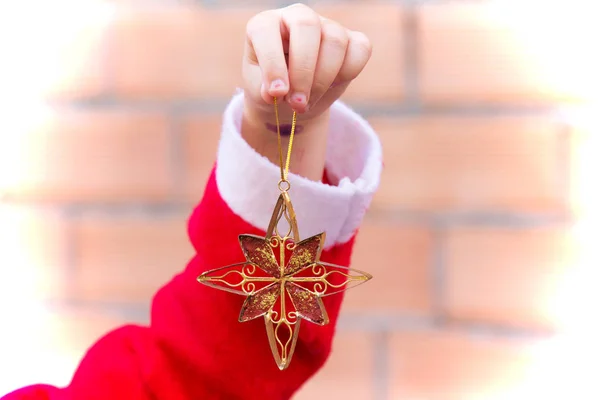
x: 299, y: 98
x: 277, y: 84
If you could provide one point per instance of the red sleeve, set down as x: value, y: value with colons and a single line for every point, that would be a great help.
x: 194, y: 347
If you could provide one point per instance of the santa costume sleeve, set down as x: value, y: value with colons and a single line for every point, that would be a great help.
x: 195, y: 348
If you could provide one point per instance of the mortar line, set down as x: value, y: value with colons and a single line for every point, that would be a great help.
x: 564, y: 165
x: 176, y: 157
x: 71, y: 219
x: 375, y: 214
x: 369, y: 109
x: 375, y: 323
x: 481, y: 218
x: 438, y: 274
x: 410, y: 54
x: 381, y: 368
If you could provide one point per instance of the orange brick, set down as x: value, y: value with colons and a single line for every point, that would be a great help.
x: 87, y: 156
x: 178, y: 52
x: 448, y: 365
x: 509, y: 276
x: 201, y: 138
x: 348, y: 372
x: 33, y: 254
x: 383, y: 76
x: 399, y: 259
x: 471, y: 52
x: 470, y: 164
x: 128, y: 259
x: 41, y: 346
x: 61, y: 58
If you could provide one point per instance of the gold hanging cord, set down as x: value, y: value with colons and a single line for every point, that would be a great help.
x: 284, y: 184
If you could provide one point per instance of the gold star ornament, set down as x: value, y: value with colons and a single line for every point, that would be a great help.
x: 283, y: 278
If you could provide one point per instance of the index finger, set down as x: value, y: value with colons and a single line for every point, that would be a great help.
x: 265, y: 49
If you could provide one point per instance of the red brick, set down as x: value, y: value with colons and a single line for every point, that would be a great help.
x: 472, y: 52
x: 127, y: 259
x: 60, y: 57
x: 348, y: 372
x: 509, y: 276
x: 383, y: 76
x: 399, y: 258
x: 470, y: 164
x: 178, y: 52
x: 33, y: 255
x: 448, y: 365
x: 201, y: 138
x: 39, y: 346
x: 87, y: 156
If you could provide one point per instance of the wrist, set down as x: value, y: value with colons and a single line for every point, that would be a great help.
x: 310, y: 138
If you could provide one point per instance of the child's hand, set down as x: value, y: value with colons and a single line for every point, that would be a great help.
x: 296, y: 53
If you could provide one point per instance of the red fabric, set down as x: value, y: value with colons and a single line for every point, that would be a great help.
x: 194, y: 347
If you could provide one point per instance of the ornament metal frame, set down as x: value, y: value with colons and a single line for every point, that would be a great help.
x: 283, y: 279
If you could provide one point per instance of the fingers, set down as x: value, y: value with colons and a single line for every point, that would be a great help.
x: 264, y: 48
x: 334, y: 44
x: 357, y: 55
x: 322, y: 56
x: 304, y: 27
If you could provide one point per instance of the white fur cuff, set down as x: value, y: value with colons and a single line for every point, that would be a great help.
x: 353, y: 159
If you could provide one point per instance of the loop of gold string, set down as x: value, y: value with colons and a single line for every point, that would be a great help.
x: 284, y: 169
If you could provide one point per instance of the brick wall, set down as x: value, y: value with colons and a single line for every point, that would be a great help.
x: 480, y: 239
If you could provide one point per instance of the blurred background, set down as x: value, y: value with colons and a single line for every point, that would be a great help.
x: 482, y: 238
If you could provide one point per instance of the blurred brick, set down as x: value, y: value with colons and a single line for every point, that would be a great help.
x: 508, y: 276
x: 201, y: 138
x: 471, y: 164
x: 87, y: 156
x: 178, y: 52
x: 447, y: 365
x: 473, y: 52
x: 127, y: 259
x: 348, y: 372
x: 33, y: 254
x: 399, y: 258
x: 383, y: 76
x: 47, y: 347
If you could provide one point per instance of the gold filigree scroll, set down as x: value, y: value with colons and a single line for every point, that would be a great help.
x: 283, y: 280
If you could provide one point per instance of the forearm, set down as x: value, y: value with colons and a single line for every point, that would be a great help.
x: 310, y: 141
